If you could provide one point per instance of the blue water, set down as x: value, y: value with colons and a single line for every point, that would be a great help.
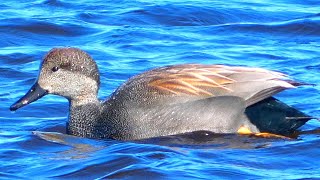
x: 127, y: 37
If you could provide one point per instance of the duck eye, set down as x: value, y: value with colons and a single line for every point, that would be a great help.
x: 54, y: 69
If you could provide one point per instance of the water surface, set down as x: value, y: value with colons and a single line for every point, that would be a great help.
x: 128, y: 37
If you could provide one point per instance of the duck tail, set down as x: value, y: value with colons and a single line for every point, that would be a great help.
x: 302, y: 118
x: 298, y: 83
x: 274, y: 116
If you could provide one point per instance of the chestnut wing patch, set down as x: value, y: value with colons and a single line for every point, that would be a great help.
x: 204, y: 80
x: 196, y: 80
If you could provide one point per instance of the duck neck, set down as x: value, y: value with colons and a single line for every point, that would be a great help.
x: 84, y: 116
x: 84, y: 100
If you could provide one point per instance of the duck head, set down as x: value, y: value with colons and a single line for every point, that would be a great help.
x: 68, y: 72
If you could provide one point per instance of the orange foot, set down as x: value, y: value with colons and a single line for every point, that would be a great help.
x: 245, y: 131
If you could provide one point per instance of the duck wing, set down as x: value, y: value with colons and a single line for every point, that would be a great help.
x: 190, y: 82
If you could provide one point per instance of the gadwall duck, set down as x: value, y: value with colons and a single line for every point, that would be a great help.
x: 167, y: 100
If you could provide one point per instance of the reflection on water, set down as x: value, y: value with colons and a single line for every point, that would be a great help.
x: 196, y: 140
x: 78, y: 148
x: 117, y: 159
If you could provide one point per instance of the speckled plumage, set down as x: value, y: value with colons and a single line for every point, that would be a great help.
x: 163, y: 101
